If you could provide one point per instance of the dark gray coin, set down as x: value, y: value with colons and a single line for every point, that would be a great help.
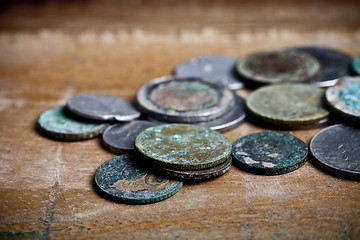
x: 218, y: 67
x: 337, y: 150
x: 121, y: 136
x: 102, y: 107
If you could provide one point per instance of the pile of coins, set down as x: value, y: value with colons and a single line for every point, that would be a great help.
x: 172, y: 132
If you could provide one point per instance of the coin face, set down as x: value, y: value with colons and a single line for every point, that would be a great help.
x: 218, y: 67
x: 121, y: 178
x: 184, y: 99
x: 102, y: 107
x: 355, y: 64
x: 336, y: 149
x: 269, y: 153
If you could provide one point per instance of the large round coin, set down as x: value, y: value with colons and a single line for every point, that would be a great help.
x: 288, y: 105
x: 337, y: 150
x: 184, y: 99
x: 123, y: 179
x: 183, y: 146
x: 270, y: 153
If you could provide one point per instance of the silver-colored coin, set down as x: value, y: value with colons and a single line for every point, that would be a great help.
x: 219, y: 67
x: 121, y: 136
x: 102, y: 107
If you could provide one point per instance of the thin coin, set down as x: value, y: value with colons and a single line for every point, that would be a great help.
x: 219, y: 67
x: 336, y: 149
x: 355, y: 64
x: 269, y: 153
x: 102, y: 107
x: 183, y: 146
x: 61, y: 124
x: 121, y: 178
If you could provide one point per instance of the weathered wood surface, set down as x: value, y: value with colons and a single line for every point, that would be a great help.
x: 52, y: 51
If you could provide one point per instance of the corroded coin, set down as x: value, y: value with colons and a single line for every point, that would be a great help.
x: 122, y: 179
x: 184, y: 99
x: 183, y: 146
x: 61, y: 124
x: 337, y: 150
x: 219, y: 67
x: 288, y: 105
x: 269, y: 153
x: 278, y: 66
x: 355, y: 64
x: 102, y: 107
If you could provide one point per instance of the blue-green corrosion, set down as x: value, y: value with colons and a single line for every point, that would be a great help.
x: 351, y: 96
x: 355, y: 64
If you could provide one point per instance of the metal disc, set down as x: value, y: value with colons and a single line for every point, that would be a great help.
x: 355, y: 64
x: 121, y: 178
x: 218, y: 67
x: 337, y: 150
x: 102, y: 107
x: 269, y: 153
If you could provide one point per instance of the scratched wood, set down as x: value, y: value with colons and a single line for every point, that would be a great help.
x: 51, y: 51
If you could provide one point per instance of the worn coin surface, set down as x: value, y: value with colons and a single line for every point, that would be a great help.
x: 102, y: 107
x: 355, y: 64
x: 183, y: 146
x: 269, y: 153
x: 219, y: 67
x: 61, y: 124
x: 122, y: 179
x: 337, y: 150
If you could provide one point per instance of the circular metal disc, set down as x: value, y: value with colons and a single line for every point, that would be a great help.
x: 122, y: 179
x: 269, y: 153
x: 184, y: 99
x: 355, y: 64
x: 102, y: 107
x: 183, y: 146
x: 218, y: 67
x: 337, y: 150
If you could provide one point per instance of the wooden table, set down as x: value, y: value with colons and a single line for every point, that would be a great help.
x: 52, y: 51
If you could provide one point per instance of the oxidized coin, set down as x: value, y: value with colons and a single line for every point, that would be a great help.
x: 270, y: 153
x: 337, y: 150
x: 184, y: 99
x: 121, y: 136
x: 61, y: 124
x: 102, y: 107
x: 219, y: 67
x: 278, y: 66
x: 122, y: 179
x: 288, y: 105
x: 355, y: 64
x: 183, y: 146
x: 344, y: 97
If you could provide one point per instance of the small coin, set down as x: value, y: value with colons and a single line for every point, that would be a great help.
x: 121, y: 178
x: 288, y: 105
x: 269, y: 153
x: 219, y: 67
x: 61, y: 124
x: 278, y: 66
x: 121, y: 136
x: 336, y: 149
x: 183, y: 146
x: 344, y: 98
x: 102, y: 107
x: 355, y: 64
x: 184, y: 99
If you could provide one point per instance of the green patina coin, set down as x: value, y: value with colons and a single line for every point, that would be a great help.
x: 288, y: 105
x: 355, y: 64
x: 183, y: 146
x: 269, y: 153
x: 278, y: 66
x: 59, y: 123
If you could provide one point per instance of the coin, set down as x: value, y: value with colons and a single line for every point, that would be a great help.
x: 102, y: 107
x: 219, y: 67
x: 288, y: 105
x: 183, y: 146
x: 336, y: 149
x: 184, y: 99
x: 122, y: 179
x: 278, y: 66
x: 121, y: 136
x: 269, y: 153
x: 355, y: 64
x: 59, y: 123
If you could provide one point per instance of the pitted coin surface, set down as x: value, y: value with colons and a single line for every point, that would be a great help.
x: 269, y: 153
x: 355, y: 64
